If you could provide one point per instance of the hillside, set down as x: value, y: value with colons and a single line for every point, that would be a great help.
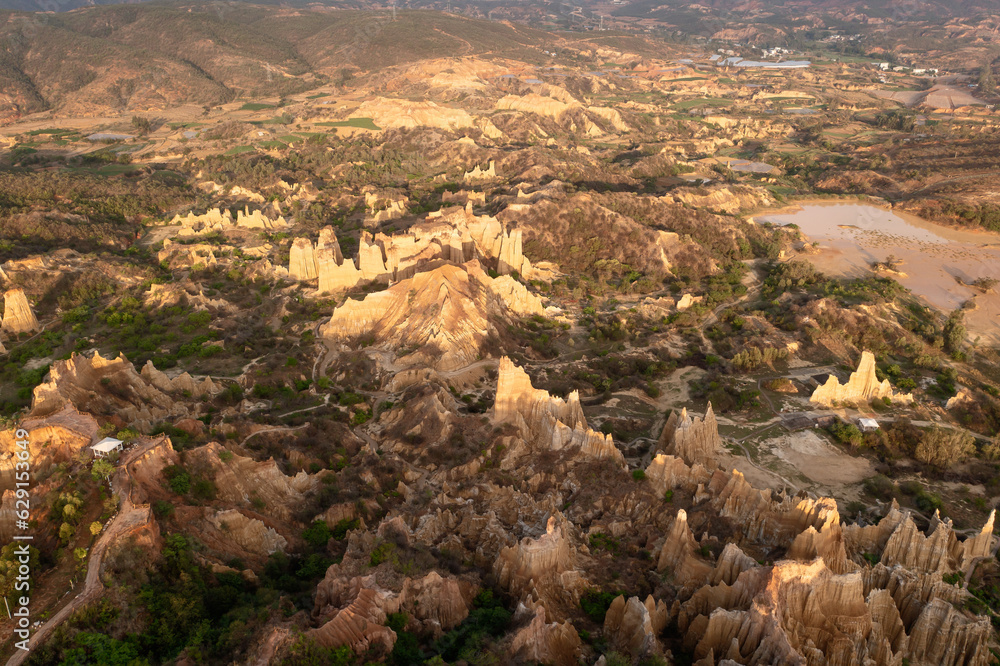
x: 457, y: 342
x: 134, y: 58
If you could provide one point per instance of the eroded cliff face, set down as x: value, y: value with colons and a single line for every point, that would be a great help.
x: 186, y: 255
x: 112, y: 387
x: 102, y: 386
x: 819, y: 605
x: 739, y: 574
x: 53, y: 438
x: 632, y: 626
x: 350, y: 610
x: 695, y: 440
x: 215, y: 220
x: 446, y: 314
x: 56, y: 438
x: 240, y: 480
x: 18, y: 316
x: 542, y: 570
x: 248, y: 533
x: 547, y: 642
x: 453, y: 235
x: 302, y: 260
x: 862, y: 386
x: 724, y: 199
x: 802, y: 613
x: 548, y: 422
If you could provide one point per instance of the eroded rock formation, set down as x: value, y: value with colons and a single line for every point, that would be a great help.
x: 302, y: 260
x: 103, y: 386
x: 799, y: 613
x: 862, y: 386
x: 542, y: 570
x: 632, y: 626
x: 183, y: 382
x: 242, y: 481
x: 249, y: 533
x: 352, y: 609
x: 548, y: 422
x: 679, y: 554
x: 215, y: 220
x: 55, y: 437
x: 825, y: 603
x: 478, y: 173
x: 452, y: 235
x: 544, y: 642
x: 186, y: 255
x: 17, y: 314
x: 446, y: 314
x: 695, y: 440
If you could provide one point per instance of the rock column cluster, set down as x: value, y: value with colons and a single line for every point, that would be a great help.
x: 549, y: 422
x: 692, y: 439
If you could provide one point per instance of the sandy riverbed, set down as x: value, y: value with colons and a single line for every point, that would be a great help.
x: 937, y: 262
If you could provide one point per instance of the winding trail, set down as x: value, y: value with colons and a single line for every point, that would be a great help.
x: 275, y: 429
x: 129, y: 517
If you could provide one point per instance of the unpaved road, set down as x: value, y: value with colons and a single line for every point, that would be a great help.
x: 128, y: 518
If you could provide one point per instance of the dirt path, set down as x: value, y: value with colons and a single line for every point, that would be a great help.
x: 128, y: 518
x: 275, y: 429
x: 328, y: 353
x: 948, y: 181
x: 468, y: 45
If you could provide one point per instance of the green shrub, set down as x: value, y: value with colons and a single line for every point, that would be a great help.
x: 204, y: 489
x: 596, y: 603
x: 382, y: 553
x: 944, y: 447
x: 847, y: 433
x: 163, y: 509
x: 317, y: 534
x: 602, y: 541
x: 953, y: 578
x: 305, y: 651
x: 178, y: 480
x: 348, y: 398
x: 344, y: 526
x: 929, y: 502
x: 880, y: 487
x: 488, y: 620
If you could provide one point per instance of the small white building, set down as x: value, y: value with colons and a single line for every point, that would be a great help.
x: 106, y: 446
x: 867, y: 425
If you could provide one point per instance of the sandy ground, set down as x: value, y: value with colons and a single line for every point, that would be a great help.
x: 674, y: 392
x: 757, y: 477
x: 937, y: 262
x: 818, y: 460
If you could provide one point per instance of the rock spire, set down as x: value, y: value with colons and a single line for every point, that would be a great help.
x: 547, y: 421
x: 862, y: 386
x: 695, y: 440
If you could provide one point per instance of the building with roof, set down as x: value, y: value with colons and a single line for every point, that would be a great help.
x: 867, y: 425
x: 106, y: 446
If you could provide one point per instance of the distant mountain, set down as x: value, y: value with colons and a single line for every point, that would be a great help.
x: 791, y: 11
x: 135, y: 57
x: 901, y: 9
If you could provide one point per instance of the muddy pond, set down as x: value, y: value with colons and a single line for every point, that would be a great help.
x: 937, y: 263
